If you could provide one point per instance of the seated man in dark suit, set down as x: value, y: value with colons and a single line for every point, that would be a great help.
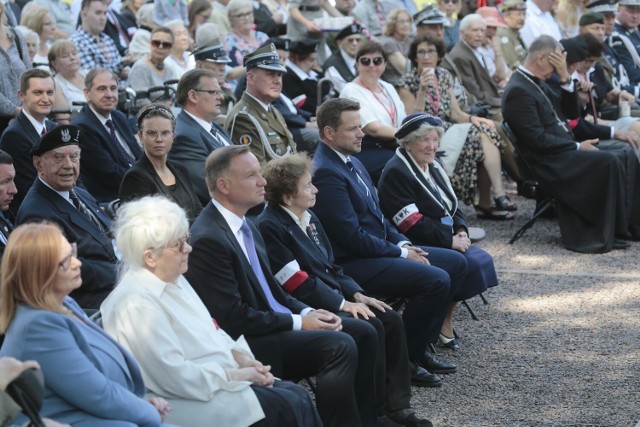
x: 37, y: 92
x: 229, y: 270
x: 54, y: 196
x: 7, y: 193
x: 109, y: 146
x: 369, y: 249
x: 596, y: 189
x: 197, y: 135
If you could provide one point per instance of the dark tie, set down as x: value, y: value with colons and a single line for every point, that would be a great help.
x: 249, y: 244
x: 358, y: 177
x: 44, y: 131
x: 82, y: 208
x: 216, y: 137
x: 5, y: 228
x: 124, y: 156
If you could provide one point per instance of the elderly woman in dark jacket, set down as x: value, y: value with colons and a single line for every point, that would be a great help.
x: 415, y: 193
x: 153, y: 174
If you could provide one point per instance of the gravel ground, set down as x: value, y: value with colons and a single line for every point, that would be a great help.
x: 558, y: 344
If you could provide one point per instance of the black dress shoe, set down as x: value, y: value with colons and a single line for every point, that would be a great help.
x: 407, y: 417
x: 420, y: 377
x: 431, y: 364
x: 620, y: 244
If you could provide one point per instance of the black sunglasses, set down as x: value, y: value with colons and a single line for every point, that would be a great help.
x: 160, y: 44
x: 367, y: 61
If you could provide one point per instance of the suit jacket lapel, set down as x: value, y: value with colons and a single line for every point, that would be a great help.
x: 34, y: 137
x: 207, y: 138
x: 301, y: 236
x: 246, y: 265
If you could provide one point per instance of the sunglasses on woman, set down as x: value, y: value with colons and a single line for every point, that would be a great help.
x: 367, y: 61
x: 160, y: 44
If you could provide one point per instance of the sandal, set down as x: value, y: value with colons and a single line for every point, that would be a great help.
x: 493, y: 213
x: 503, y: 203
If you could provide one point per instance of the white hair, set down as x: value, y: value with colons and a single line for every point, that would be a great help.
x: 234, y: 5
x: 144, y: 15
x: 29, y: 34
x: 206, y: 33
x: 151, y: 222
x: 424, y: 129
x: 469, y: 19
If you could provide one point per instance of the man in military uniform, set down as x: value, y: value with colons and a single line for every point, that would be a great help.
x: 253, y: 121
x: 212, y: 56
x: 431, y: 21
x: 625, y: 39
x: 513, y: 48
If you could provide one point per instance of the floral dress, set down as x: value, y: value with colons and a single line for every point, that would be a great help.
x: 438, y: 103
x: 238, y: 47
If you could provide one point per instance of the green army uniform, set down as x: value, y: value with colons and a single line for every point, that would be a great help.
x: 513, y: 48
x: 249, y: 123
x: 265, y: 131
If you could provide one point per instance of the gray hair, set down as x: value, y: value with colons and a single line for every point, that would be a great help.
x: 424, y: 129
x: 151, y: 222
x: 234, y: 5
x: 206, y: 33
x: 29, y: 34
x: 543, y: 43
x: 144, y: 15
x: 174, y: 24
x: 469, y: 19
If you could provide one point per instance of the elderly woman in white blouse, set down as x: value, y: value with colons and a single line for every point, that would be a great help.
x: 207, y: 377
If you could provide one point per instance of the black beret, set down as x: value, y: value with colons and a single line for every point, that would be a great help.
x: 412, y: 122
x: 349, y: 30
x: 56, y: 138
x: 304, y: 46
x: 576, y: 49
x: 591, y: 18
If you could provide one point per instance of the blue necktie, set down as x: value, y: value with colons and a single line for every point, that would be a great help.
x: 249, y: 244
x: 119, y: 148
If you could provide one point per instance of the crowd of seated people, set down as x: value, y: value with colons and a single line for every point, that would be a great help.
x: 363, y: 189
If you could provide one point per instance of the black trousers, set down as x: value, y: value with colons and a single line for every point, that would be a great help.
x: 330, y: 357
x: 286, y: 405
x: 391, y: 377
x: 430, y: 289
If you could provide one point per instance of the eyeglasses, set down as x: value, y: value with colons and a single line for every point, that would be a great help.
x: 161, y: 44
x: 429, y: 52
x: 66, y: 261
x: 153, y: 134
x: 243, y: 15
x: 179, y: 244
x: 367, y: 61
x: 210, y: 92
x: 450, y: 1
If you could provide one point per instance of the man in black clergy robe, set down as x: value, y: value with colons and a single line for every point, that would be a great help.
x: 594, y: 186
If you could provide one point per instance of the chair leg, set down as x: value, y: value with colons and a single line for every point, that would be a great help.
x: 432, y: 348
x: 484, y: 300
x: 545, y: 205
x: 473, y: 315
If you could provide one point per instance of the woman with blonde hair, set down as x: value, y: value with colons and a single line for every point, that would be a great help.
x: 67, y: 75
x: 42, y: 22
x: 90, y: 380
x: 396, y: 39
x: 568, y: 13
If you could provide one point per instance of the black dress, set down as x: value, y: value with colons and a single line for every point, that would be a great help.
x: 143, y: 180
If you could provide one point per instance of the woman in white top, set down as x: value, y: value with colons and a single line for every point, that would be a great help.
x: 207, y: 377
x: 381, y: 109
x: 69, y: 78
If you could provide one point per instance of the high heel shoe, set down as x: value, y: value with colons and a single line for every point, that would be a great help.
x: 452, y: 343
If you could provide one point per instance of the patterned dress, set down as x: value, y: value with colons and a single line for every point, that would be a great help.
x: 238, y: 47
x: 465, y: 175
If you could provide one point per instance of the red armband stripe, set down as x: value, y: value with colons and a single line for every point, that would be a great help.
x: 409, y: 221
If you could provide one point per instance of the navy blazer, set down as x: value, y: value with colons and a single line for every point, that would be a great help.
x: 191, y: 147
x: 17, y: 140
x: 303, y: 263
x: 95, y: 250
x: 102, y: 167
x: 88, y: 376
x: 222, y: 276
x: 358, y: 228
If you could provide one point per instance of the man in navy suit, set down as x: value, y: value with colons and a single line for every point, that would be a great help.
x: 109, y: 145
x: 37, y: 94
x: 197, y: 135
x: 55, y: 197
x: 229, y: 270
x: 7, y: 193
x: 369, y: 249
